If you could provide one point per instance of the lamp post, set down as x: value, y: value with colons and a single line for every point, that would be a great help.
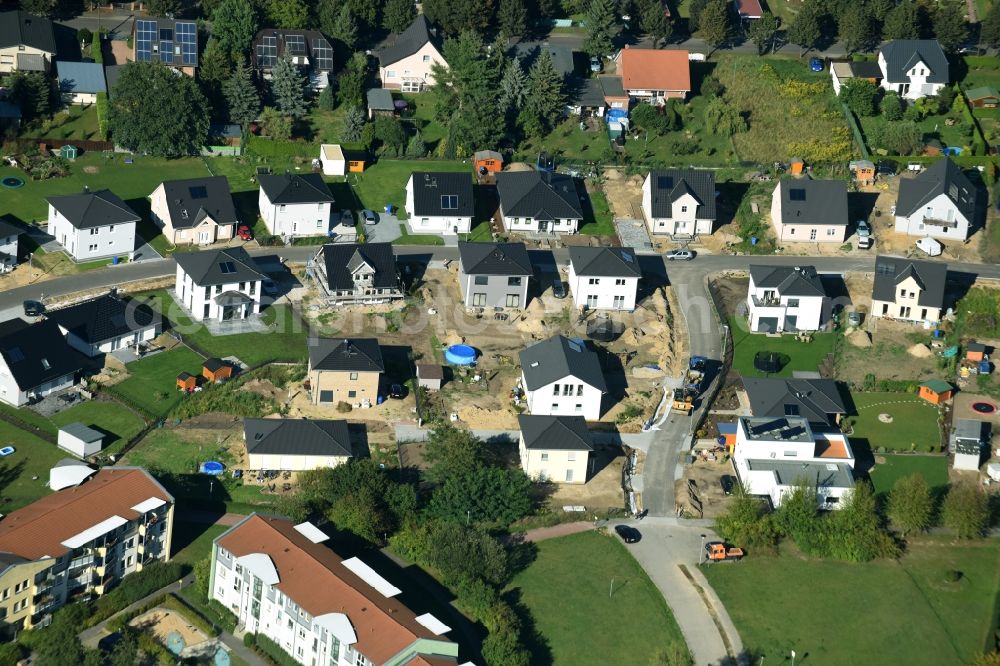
x: 701, y: 551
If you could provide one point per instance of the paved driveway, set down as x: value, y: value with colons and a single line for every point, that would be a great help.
x: 385, y: 230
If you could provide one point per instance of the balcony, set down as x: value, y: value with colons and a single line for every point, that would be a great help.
x: 936, y: 222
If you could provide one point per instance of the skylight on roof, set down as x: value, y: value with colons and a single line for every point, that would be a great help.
x: 45, y: 364
x: 227, y: 267
x: 575, y: 346
x: 15, y: 354
x: 198, y: 192
x: 664, y: 182
x: 627, y: 257
x: 449, y: 202
x: 797, y: 194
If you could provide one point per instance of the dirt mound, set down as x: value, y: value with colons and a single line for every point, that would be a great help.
x: 633, y: 337
x: 487, y: 419
x: 533, y: 321
x: 264, y: 388
x: 920, y: 350
x: 658, y: 302
x: 860, y: 338
x: 451, y: 337
x: 519, y: 166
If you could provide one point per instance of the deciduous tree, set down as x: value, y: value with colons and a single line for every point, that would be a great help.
x: 902, y: 22
x: 860, y: 95
x: 714, y: 23
x: 989, y: 27
x: 763, y: 30
x: 806, y: 30
x: 164, y: 7
x: 397, y: 15
x: 234, y: 24
x: 966, y: 510
x: 857, y: 28
x: 857, y: 528
x: 950, y: 28
x: 351, y: 82
x: 452, y: 452
x: 484, y: 494
x: 910, y: 504
x: 288, y: 14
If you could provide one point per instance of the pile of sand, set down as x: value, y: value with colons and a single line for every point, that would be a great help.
x: 860, y: 338
x: 451, y: 337
x: 533, y: 320
x: 633, y: 337
x: 658, y: 302
x: 487, y: 419
x: 920, y: 350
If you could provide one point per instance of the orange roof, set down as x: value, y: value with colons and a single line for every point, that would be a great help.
x: 40, y: 528
x: 831, y: 448
x: 655, y: 69
x: 314, y: 577
x: 427, y: 660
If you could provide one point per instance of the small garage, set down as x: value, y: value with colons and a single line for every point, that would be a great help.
x: 80, y: 440
x: 331, y: 155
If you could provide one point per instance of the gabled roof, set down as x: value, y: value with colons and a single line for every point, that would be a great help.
x: 149, y: 34
x: 494, y: 258
x: 807, y: 201
x: 557, y: 358
x: 346, y: 354
x: 901, y: 55
x: 37, y: 353
x: 19, y: 28
x: 380, y: 99
x: 81, y: 77
x: 891, y: 271
x: 942, y: 177
x: 407, y: 42
x: 562, y: 56
x: 93, y: 209
x: 308, y: 44
x: 340, y: 259
x: 288, y: 188
x: 546, y: 196
x: 441, y: 193
x: 589, y: 93
x: 605, y: 262
x: 302, y: 437
x: 612, y: 85
x: 813, y: 399
x: 564, y: 433
x: 787, y: 280
x: 668, y: 185
x: 105, y: 317
x: 655, y: 69
x: 225, y: 266
x: 190, y: 201
x: 981, y: 92
x: 936, y: 385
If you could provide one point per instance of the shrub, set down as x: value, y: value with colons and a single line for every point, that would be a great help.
x: 102, y: 114
x: 134, y: 587
x: 344, y: 407
x: 274, y: 652
x: 249, y: 640
x: 84, y: 35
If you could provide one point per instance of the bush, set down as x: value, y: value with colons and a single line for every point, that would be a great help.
x: 344, y: 407
x: 84, y: 35
x: 711, y: 87
x: 891, y: 107
x: 134, y: 587
x: 97, y: 49
x: 102, y: 115
x: 274, y: 652
x: 249, y: 640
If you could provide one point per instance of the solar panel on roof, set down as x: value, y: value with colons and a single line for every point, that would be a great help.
x: 664, y: 182
x: 227, y: 267
x: 627, y: 257
x: 187, y: 36
x: 166, y: 34
x: 15, y: 354
x: 166, y: 51
x: 322, y: 54
x: 267, y: 51
x: 145, y: 35
x: 885, y: 269
x: 198, y: 192
x: 295, y: 44
x: 797, y: 194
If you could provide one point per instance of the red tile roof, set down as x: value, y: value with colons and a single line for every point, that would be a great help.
x: 655, y: 69
x: 749, y: 9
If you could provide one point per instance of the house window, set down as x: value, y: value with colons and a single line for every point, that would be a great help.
x: 684, y: 209
x: 555, y: 389
x: 352, y: 394
x: 579, y: 390
x: 207, y: 312
x: 354, y: 376
x: 545, y: 457
x: 253, y: 288
x: 793, y: 302
x: 791, y: 454
x: 208, y: 293
x: 390, y: 73
x: 812, y: 234
x: 514, y: 282
x: 111, y: 228
x: 479, y: 300
x: 569, y: 475
x: 513, y: 300
x: 619, y: 282
x: 281, y: 207
x: 791, y: 232
x: 242, y: 285
x: 571, y: 456
x: 218, y: 289
x: 578, y: 407
x: 831, y: 232
x: 93, y: 231
x: 326, y: 396
x: 482, y: 279
x: 555, y: 407
x: 319, y: 224
x: 426, y: 58
x: 594, y: 281
x: 93, y: 247
x: 567, y: 389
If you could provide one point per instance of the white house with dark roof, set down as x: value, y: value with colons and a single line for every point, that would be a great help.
x: 908, y: 290
x: 819, y: 401
x: 555, y: 448
x: 439, y: 202
x: 494, y: 275
x: 539, y: 202
x: 939, y: 202
x: 604, y: 278
x: 35, y: 360
x: 679, y: 202
x: 810, y: 211
x: 296, y: 445
x: 194, y: 210
x: 218, y: 285
x: 914, y: 68
x: 9, y: 235
x: 353, y: 273
x: 405, y: 60
x: 27, y: 42
x: 786, y: 299
x: 294, y: 205
x: 106, y: 323
x: 562, y: 377
x: 92, y: 225
x: 308, y: 50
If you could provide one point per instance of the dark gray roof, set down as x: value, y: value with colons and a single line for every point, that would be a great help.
x: 866, y: 69
x: 37, y: 353
x: 380, y: 99
x: 494, y: 258
x: 970, y: 429
x: 311, y: 39
x: 562, y: 56
x: 605, y: 262
x: 612, y: 85
x: 111, y: 73
x: 565, y: 433
x: 214, y: 364
x: 902, y: 54
x: 813, y: 399
x: 545, y: 196
x: 104, y: 318
x: 788, y: 473
x: 82, y: 432
x: 968, y: 448
x: 303, y: 437
x: 788, y: 280
x: 806, y: 201
x: 557, y: 358
x: 590, y: 93
x: 930, y: 275
x: 232, y: 297
x: 8, y: 229
x: 93, y: 209
x: 21, y: 28
x: 669, y: 185
x: 942, y: 177
x: 226, y: 266
x: 346, y: 354
x: 407, y: 42
x: 340, y: 259
x: 290, y: 188
x: 434, y: 190
x: 189, y: 202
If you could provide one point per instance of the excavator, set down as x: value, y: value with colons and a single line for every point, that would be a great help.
x: 690, y: 388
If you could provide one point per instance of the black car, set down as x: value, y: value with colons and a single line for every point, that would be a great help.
x: 397, y: 391
x: 559, y: 289
x: 34, y: 308
x: 728, y: 483
x: 628, y: 534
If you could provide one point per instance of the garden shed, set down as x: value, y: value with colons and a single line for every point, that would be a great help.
x: 68, y: 152
x: 967, y: 456
x: 80, y: 440
x: 216, y: 370
x: 935, y: 391
x: 430, y: 376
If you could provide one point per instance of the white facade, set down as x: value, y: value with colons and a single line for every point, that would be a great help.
x: 798, y: 313
x: 294, y: 220
x: 916, y: 85
x: 201, y: 302
x: 93, y: 243
x: 412, y: 73
x: 603, y: 293
x: 434, y: 224
x: 685, y: 221
x: 80, y: 448
x: 14, y: 395
x: 907, y: 306
x: 939, y: 218
x: 535, y: 226
x: 555, y: 465
x: 567, y: 397
x: 8, y: 252
x: 331, y: 156
x: 108, y: 346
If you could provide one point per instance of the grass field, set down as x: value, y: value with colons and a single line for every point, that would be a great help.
x: 32, y: 457
x: 385, y: 181
x: 74, y: 123
x: 933, y: 468
x: 566, y: 589
x: 831, y: 612
x: 152, y: 381
x: 597, y: 219
x: 192, y: 542
x: 802, y: 355
x: 914, y: 424
x: 416, y: 239
x: 119, y: 422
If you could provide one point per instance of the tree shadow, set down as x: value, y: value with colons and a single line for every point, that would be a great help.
x: 186, y: 532
x: 10, y: 473
x: 699, y: 72
x: 728, y: 202
x: 358, y: 434
x: 860, y: 206
x: 531, y: 637
x: 614, y: 377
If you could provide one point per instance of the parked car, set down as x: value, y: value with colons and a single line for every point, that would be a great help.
x: 369, y: 216
x: 680, y: 255
x: 864, y: 229
x: 34, y: 308
x: 244, y: 232
x: 728, y: 483
x: 595, y: 64
x: 397, y: 391
x: 816, y: 64
x: 854, y: 318
x: 628, y: 534
x: 559, y: 289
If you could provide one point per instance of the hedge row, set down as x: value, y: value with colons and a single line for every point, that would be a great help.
x: 134, y: 587
x: 269, y: 649
x: 102, y: 115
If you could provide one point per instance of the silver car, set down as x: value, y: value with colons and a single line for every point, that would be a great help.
x: 680, y: 255
x: 370, y: 216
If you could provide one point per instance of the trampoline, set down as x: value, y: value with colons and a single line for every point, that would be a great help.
x: 12, y: 182
x: 769, y: 362
x: 175, y: 642
x: 604, y: 329
x: 212, y: 467
x: 984, y: 407
x: 460, y: 355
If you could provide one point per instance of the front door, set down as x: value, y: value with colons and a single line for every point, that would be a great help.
x: 204, y: 237
x: 543, y: 225
x: 904, y: 313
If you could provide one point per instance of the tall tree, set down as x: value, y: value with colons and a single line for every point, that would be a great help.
x: 452, y: 452
x: 215, y: 64
x: 484, y: 494
x: 966, y: 510
x: 880, y: 9
x: 763, y: 30
x: 365, y: 12
x: 859, y: 536
x: 50, y: 8
x: 910, y: 504
x: 546, y: 97
x: 164, y: 7
x: 288, y: 88
x: 857, y: 28
x: 458, y: 16
x: 806, y: 30
x: 351, y: 85
x: 950, y: 28
x: 354, y: 124
x: 654, y: 21
x: 694, y: 14
x: 242, y: 98
x: 136, y: 117
x: 714, y: 24
x: 902, y: 22
x: 989, y: 27
x: 288, y: 14
x: 467, y: 94
x: 860, y: 95
x: 345, y: 28
x: 602, y: 28
x: 32, y: 91
x: 397, y: 15
x: 512, y: 16
x: 513, y: 85
x: 234, y: 24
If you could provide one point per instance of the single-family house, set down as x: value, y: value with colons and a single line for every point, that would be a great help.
x: 9, y: 235
x: 80, y: 440
x: 914, y: 68
x: 773, y: 455
x: 563, y: 60
x: 555, y: 448
x: 440, y: 202
x: 806, y: 210
x: 971, y: 433
x: 309, y: 50
x: 27, y: 42
x: 819, y: 401
x: 604, y: 278
x: 194, y: 210
x: 562, y: 377
x: 786, y: 299
x: 679, y: 202
x: 35, y: 360
x: 908, y: 289
x: 80, y: 82
x: 430, y: 376
x: 983, y: 97
x: 405, y: 60
x: 106, y: 323
x: 92, y: 225
x: 296, y: 445
x: 294, y: 205
x: 380, y: 102
x: 352, y: 273
x: 655, y: 75
x: 843, y: 71
x: 171, y: 42
x: 587, y: 98
x: 939, y: 202
x: 218, y: 285
x: 539, y: 202
x: 935, y: 391
x: 345, y: 370
x: 494, y: 275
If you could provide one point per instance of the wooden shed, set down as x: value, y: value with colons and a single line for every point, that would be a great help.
x: 935, y: 391
x: 864, y: 171
x: 187, y: 382
x: 487, y: 161
x: 216, y: 370
x: 983, y: 97
x: 430, y: 376
x: 975, y: 351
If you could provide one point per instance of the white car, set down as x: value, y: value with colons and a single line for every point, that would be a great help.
x: 370, y: 216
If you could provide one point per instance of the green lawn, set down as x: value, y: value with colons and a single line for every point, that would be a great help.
x: 151, y: 383
x: 416, y: 239
x: 30, y: 417
x: 110, y: 417
x: 385, y: 181
x: 192, y: 542
x: 74, y: 123
x: 480, y: 233
x: 802, y: 355
x: 32, y: 457
x: 566, y: 589
x: 887, y: 612
x: 597, y: 220
x: 933, y: 468
x: 914, y: 421
x: 982, y: 71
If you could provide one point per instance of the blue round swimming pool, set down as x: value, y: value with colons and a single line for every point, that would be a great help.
x: 460, y: 355
x: 212, y: 467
